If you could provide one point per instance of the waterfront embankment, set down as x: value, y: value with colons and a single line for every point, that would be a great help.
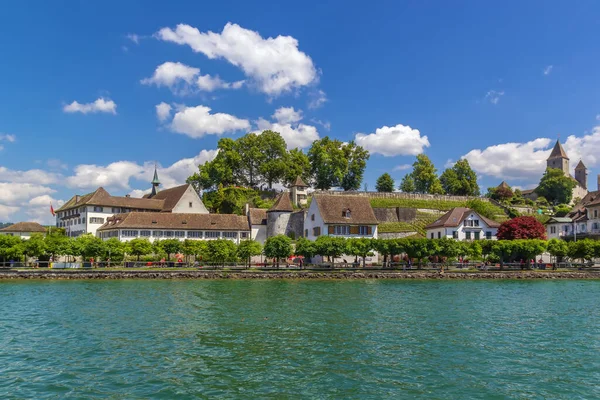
x: 333, y: 275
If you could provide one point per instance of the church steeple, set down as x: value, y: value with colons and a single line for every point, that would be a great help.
x: 155, y: 183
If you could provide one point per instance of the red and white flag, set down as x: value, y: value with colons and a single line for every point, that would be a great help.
x: 51, y: 210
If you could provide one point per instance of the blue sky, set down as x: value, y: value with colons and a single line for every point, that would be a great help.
x: 495, y: 84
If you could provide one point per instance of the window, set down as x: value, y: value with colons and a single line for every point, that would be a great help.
x: 212, y: 234
x: 439, y: 235
x: 475, y: 222
x: 346, y: 213
x: 455, y: 234
x: 306, y: 233
x: 115, y: 210
x: 477, y: 237
x: 97, y: 209
x: 342, y: 230
x: 244, y: 235
x: 179, y: 234
x: 468, y: 235
x: 169, y: 233
x: 488, y: 235
x: 190, y: 204
x: 129, y: 233
x: 432, y: 235
x: 95, y: 220
x: 312, y: 217
x: 230, y: 235
x: 471, y: 222
x: 552, y: 229
x: 145, y: 233
x: 595, y: 213
x: 157, y: 234
x: 316, y: 230
x: 364, y: 230
x: 195, y: 234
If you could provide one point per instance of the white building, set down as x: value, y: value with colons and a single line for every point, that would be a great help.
x: 158, y: 226
x: 257, y: 219
x: 87, y: 213
x: 559, y: 227
x: 462, y: 223
x: 345, y: 216
x: 24, y: 230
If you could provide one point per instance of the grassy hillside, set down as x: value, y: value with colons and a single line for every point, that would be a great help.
x: 417, y: 225
x: 442, y: 205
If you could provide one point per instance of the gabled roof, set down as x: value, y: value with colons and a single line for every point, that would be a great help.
x: 171, y: 196
x: 283, y: 203
x: 145, y: 220
x: 558, y: 151
x: 558, y: 220
x: 299, y: 182
x: 503, y: 185
x: 456, y: 216
x: 257, y: 216
x: 24, y: 227
x: 332, y: 208
x: 581, y: 165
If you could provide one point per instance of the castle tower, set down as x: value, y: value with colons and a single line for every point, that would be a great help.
x: 278, y: 216
x: 581, y: 174
x: 299, y: 195
x: 558, y: 159
x: 155, y: 183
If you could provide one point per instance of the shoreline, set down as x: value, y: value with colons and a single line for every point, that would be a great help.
x: 328, y: 275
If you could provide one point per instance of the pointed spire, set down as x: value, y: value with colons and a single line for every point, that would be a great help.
x: 581, y: 165
x: 558, y: 151
x: 282, y: 203
x: 155, y: 182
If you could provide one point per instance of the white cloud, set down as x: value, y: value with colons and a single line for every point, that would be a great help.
x: 402, y: 167
x: 598, y: 117
x: 399, y: 140
x: 7, y: 212
x: 198, y: 121
x: 38, y: 209
x: 116, y: 175
x: 170, y: 74
x: 8, y: 138
x: 134, y: 38
x: 139, y: 193
x: 325, y: 124
x: 522, y: 161
x: 100, y: 105
x: 55, y: 163
x: 586, y: 148
x: 286, y: 123
x: 287, y: 115
x: 178, y: 172
x: 493, y: 96
x: 209, y: 83
x: 163, y: 111
x: 317, y: 99
x: 33, y: 176
x: 274, y: 65
x: 548, y: 69
x: 12, y: 193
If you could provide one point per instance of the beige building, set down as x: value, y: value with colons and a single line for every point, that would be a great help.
x: 24, y: 230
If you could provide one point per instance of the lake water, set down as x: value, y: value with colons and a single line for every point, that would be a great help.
x: 300, y: 339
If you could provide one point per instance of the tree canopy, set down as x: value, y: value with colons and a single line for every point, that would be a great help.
x: 460, y: 180
x: 385, y: 183
x: 408, y: 184
x: 526, y: 227
x: 278, y: 247
x: 424, y: 176
x: 556, y: 187
x: 334, y: 163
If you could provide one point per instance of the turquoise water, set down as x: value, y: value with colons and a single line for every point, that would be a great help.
x: 300, y: 339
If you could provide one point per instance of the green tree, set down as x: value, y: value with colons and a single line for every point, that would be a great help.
x: 558, y: 249
x: 334, y: 163
x: 582, y: 249
x: 88, y: 246
x: 417, y: 248
x: 556, y: 187
x: 35, y: 246
x: 196, y: 248
x: 170, y: 246
x: 460, y: 180
x: 221, y: 251
x: 408, y: 184
x: 331, y: 247
x: 11, y: 247
x: 140, y: 247
x: 279, y: 246
x: 483, y: 208
x: 360, y: 247
x: 385, y: 183
x: 448, y: 248
x: 115, y: 249
x: 305, y: 248
x: 273, y: 164
x: 425, y: 175
x: 58, y: 244
x: 248, y: 249
x: 251, y: 156
x: 356, y: 157
x: 297, y: 164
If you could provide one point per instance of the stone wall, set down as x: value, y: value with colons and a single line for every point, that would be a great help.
x: 395, y: 214
x: 277, y: 223
x: 296, y: 224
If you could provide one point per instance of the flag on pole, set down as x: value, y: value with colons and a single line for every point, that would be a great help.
x: 51, y: 209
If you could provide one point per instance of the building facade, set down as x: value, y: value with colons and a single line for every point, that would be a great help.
x: 24, y: 230
x: 462, y: 223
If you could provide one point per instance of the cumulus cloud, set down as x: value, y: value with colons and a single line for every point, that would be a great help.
x: 548, y: 69
x: 101, y: 105
x: 34, y: 176
x: 209, y: 83
x: 7, y: 212
x: 399, y: 140
x: 163, y: 111
x: 402, y: 167
x: 586, y: 148
x: 287, y: 115
x: 7, y: 138
x: 171, y: 73
x: 286, y: 122
x: 38, y: 209
x: 198, y: 121
x: 493, y: 96
x: 134, y: 38
x: 12, y: 193
x: 274, y: 65
x: 317, y: 99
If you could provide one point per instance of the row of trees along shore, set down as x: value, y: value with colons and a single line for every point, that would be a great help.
x: 221, y: 251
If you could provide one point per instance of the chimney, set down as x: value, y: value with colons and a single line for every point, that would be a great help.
x: 598, y: 181
x: 78, y: 197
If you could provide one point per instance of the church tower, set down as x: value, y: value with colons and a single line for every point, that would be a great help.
x: 581, y: 174
x: 558, y: 159
x: 155, y: 183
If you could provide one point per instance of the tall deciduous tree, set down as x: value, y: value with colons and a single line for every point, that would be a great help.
x: 140, y: 247
x: 425, y: 176
x: 334, y: 163
x: 35, y: 246
x: 273, y: 164
x: 526, y: 227
x: 278, y: 247
x: 408, y: 184
x: 356, y: 157
x: 385, y: 183
x: 114, y: 249
x: 221, y: 251
x: 298, y: 164
x: 248, y: 249
x: 556, y: 187
x: 460, y: 180
x: 330, y: 246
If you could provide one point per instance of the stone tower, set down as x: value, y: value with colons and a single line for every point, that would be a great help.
x: 581, y: 174
x: 558, y: 159
x: 278, y: 216
x: 299, y: 195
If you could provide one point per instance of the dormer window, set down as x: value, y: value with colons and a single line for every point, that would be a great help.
x: 346, y: 213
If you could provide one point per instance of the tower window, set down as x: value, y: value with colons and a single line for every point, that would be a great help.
x: 346, y: 213
x: 190, y: 204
